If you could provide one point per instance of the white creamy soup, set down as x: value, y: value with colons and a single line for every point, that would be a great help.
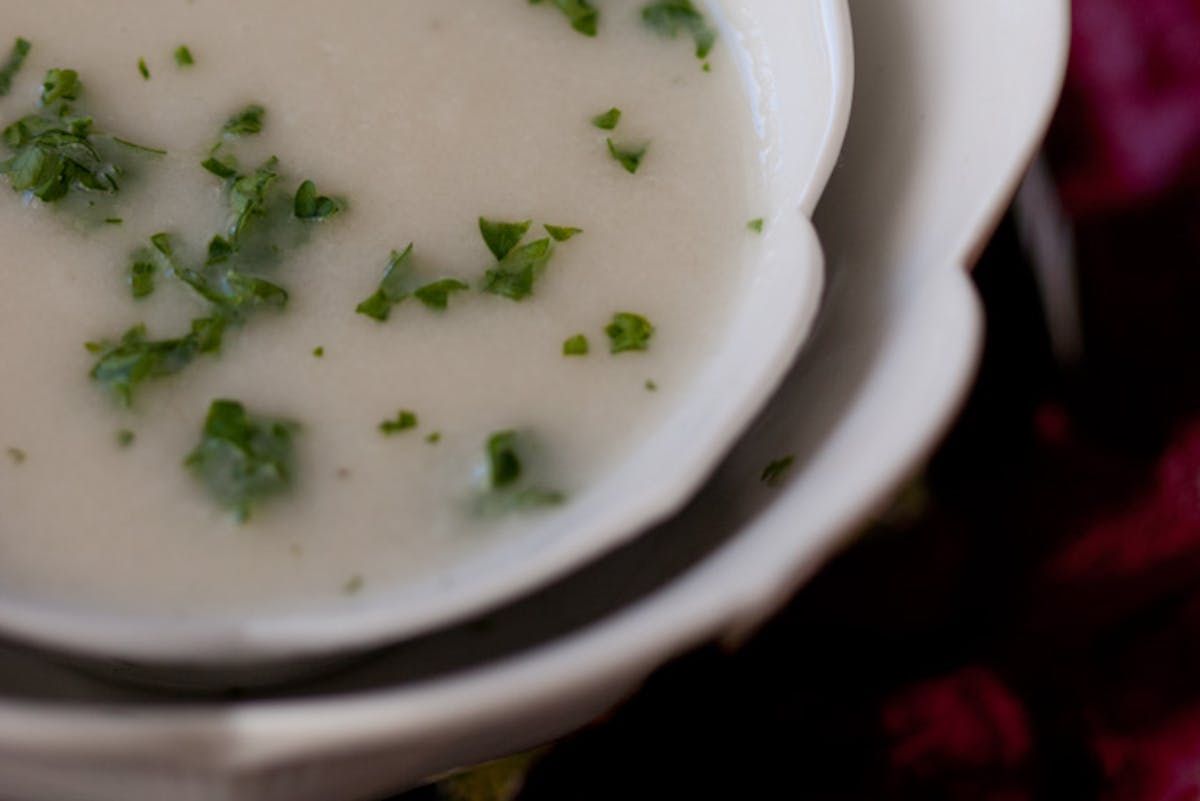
x: 413, y: 119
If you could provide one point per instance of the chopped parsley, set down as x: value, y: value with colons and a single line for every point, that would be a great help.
x: 222, y: 280
x: 607, y: 121
x: 668, y: 18
x: 54, y: 151
x: 629, y: 332
x: 774, y: 473
x: 122, y: 366
x: 248, y: 198
x: 141, y: 277
x: 154, y: 151
x: 756, y: 225
x: 583, y: 17
x: 308, y: 205
x: 502, y: 237
x: 629, y: 158
x: 516, y: 273
x: 247, y: 122
x: 437, y: 294
x: 651, y: 386
x: 183, y: 56
x: 125, y: 437
x: 434, y: 438
x: 113, y: 221
x: 518, y: 268
x: 405, y: 420
x: 242, y: 460
x: 576, y: 346
x: 12, y: 65
x: 143, y: 69
x: 233, y: 293
x: 17, y: 455
x: 562, y: 233
x: 223, y: 169
x: 354, y: 585
x: 504, y: 471
x: 393, y: 288
x: 220, y: 250
x: 504, y: 466
x: 60, y: 86
x: 146, y: 262
x: 319, y: 352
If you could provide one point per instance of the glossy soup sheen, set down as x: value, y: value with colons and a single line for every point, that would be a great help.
x: 423, y: 115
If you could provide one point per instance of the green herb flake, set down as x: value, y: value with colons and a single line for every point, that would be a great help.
x: 651, y: 386
x: 756, y: 225
x: 242, y: 460
x: 354, y: 585
x: 308, y: 205
x: 54, y: 152
x: 12, y: 65
x: 18, y: 456
x: 141, y: 277
x: 113, y: 221
x: 502, y: 237
x: 60, y: 86
x: 668, y: 18
x: 220, y: 250
x: 223, y: 169
x: 235, y: 294
x: 247, y: 122
x: 143, y: 69
x: 248, y: 198
x: 437, y: 294
x: 504, y: 466
x: 319, y: 352
x: 562, y: 233
x: 583, y: 17
x: 405, y: 421
x: 774, y: 473
x: 504, y: 470
x: 517, y: 272
x: 183, y: 56
x: 125, y: 438
x: 629, y: 332
x: 629, y: 158
x: 706, y: 67
x: 576, y: 346
x: 393, y: 288
x: 607, y: 121
x: 123, y: 366
x: 153, y: 151
x: 434, y: 438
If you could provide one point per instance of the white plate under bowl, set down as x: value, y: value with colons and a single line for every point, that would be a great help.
x: 796, y: 63
x: 951, y: 100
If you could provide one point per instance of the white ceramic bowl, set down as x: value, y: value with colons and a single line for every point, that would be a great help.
x: 796, y: 61
x: 951, y: 99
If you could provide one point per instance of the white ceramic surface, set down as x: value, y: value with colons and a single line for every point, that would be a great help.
x: 796, y: 59
x: 951, y: 99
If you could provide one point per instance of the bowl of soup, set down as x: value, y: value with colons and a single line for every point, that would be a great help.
x: 326, y: 325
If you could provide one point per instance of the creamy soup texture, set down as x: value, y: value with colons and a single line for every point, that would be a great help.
x: 419, y: 117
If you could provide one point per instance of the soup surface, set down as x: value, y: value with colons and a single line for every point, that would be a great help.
x: 414, y: 119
